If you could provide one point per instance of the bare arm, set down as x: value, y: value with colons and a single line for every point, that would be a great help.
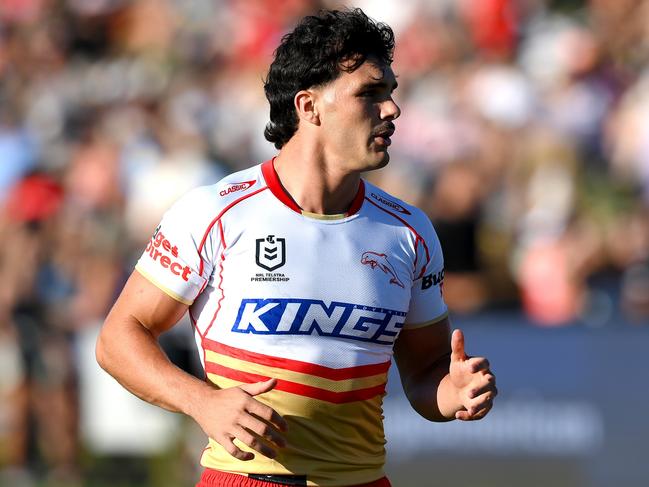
x: 128, y: 349
x: 441, y: 382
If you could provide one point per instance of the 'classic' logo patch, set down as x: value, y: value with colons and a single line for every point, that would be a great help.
x: 389, y: 203
x: 234, y: 187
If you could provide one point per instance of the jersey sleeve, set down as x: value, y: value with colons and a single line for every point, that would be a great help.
x: 427, y: 304
x: 176, y: 258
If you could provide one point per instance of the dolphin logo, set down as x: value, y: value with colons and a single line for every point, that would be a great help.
x: 374, y: 260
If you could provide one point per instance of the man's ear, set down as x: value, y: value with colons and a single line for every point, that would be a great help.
x: 305, y: 105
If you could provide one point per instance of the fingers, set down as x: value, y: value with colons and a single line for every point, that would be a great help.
x: 264, y: 412
x: 257, y: 388
x: 480, y: 405
x: 481, y: 402
x: 256, y: 443
x: 267, y: 414
x: 489, y: 385
x: 227, y: 442
x: 237, y: 416
x: 476, y: 364
x: 263, y: 430
x: 457, y: 346
x: 473, y: 378
x: 467, y: 416
x: 255, y: 423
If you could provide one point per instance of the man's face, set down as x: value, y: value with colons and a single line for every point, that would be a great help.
x: 356, y: 112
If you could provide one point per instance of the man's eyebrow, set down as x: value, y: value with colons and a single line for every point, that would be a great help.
x: 379, y: 84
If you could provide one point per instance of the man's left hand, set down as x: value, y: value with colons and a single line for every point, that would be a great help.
x: 474, y: 382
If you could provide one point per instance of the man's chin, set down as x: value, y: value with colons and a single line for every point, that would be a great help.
x: 376, y: 160
x: 381, y: 161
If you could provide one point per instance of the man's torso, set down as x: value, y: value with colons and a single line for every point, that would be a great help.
x: 315, y: 302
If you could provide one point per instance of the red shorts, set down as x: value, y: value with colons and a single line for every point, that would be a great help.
x: 216, y: 478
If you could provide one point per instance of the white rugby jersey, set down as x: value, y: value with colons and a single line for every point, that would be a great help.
x: 314, y: 301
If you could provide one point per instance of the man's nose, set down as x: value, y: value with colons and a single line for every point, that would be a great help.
x: 390, y: 110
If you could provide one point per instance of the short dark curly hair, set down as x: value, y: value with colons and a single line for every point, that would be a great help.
x: 315, y: 53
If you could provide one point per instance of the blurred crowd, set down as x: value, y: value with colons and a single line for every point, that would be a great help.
x: 524, y: 135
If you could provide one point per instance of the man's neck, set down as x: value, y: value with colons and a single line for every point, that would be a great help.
x: 316, y: 183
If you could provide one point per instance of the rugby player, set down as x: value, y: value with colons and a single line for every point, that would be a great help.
x: 301, y: 281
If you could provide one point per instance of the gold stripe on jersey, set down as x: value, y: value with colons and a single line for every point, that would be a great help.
x: 299, y: 377
x: 333, y: 444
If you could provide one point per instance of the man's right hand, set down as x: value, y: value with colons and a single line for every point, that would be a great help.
x: 128, y: 349
x: 235, y: 413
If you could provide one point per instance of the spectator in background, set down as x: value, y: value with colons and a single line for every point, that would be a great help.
x: 36, y: 284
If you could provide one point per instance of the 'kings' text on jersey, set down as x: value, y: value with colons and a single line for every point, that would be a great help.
x: 315, y: 317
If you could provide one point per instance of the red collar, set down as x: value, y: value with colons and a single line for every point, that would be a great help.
x: 275, y: 186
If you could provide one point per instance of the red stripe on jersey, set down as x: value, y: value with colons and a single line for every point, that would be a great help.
x: 418, y: 238
x: 297, y: 365
x: 275, y: 186
x: 218, y: 305
x: 218, y: 217
x: 195, y: 328
x: 296, y: 388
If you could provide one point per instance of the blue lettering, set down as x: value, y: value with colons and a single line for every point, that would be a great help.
x: 315, y: 317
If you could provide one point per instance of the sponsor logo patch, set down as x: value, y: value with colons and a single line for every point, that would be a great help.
x: 380, y: 261
x: 433, y: 279
x: 314, y: 317
x: 389, y: 203
x: 234, y: 187
x: 158, y: 247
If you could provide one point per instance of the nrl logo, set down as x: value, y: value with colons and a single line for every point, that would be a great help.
x: 270, y: 253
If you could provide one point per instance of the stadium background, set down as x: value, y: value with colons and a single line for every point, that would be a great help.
x: 524, y: 135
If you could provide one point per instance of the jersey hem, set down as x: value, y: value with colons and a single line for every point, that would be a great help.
x: 426, y: 323
x: 214, y: 472
x: 162, y: 288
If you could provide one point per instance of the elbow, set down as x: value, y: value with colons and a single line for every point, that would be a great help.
x: 425, y: 404
x: 101, y: 354
x: 430, y: 412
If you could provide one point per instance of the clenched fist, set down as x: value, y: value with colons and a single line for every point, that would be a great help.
x: 474, y: 382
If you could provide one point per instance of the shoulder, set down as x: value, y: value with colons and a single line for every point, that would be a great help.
x: 208, y: 201
x: 407, y: 214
